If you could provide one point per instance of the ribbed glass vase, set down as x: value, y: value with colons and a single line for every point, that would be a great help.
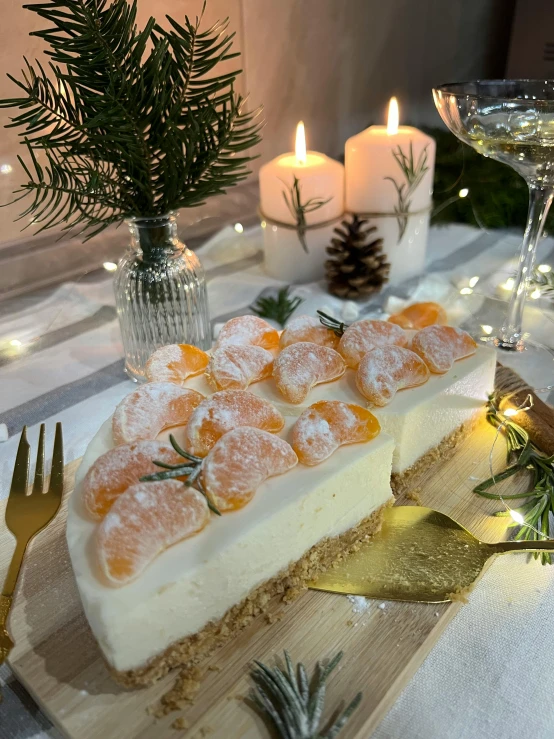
x: 160, y: 293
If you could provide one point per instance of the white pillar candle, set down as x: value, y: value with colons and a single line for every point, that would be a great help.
x: 389, y: 175
x: 304, y: 188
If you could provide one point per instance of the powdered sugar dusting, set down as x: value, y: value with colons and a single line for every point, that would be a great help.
x: 327, y: 425
x: 240, y: 461
x: 363, y: 336
x: 227, y: 410
x: 441, y: 346
x: 152, y: 407
x: 302, y: 365
x: 385, y: 370
x: 145, y: 520
x: 118, y: 469
x: 307, y: 328
x: 248, y: 330
x: 236, y: 367
x: 175, y: 363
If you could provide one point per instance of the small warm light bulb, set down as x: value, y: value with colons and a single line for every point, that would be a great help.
x: 466, y: 291
x: 300, y: 146
x: 239, y: 228
x: 6, y: 168
x: 393, y: 117
x: 263, y: 224
x: 536, y: 294
x: 464, y: 192
x: 518, y: 518
x: 16, y: 342
x: 510, y: 412
x: 110, y: 266
x: 509, y: 284
x: 473, y: 281
x: 487, y: 329
x: 544, y: 268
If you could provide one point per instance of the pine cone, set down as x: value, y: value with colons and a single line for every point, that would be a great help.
x: 357, y: 268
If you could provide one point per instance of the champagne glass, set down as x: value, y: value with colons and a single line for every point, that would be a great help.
x: 511, y: 121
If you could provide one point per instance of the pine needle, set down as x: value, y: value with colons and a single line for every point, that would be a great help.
x: 278, y: 308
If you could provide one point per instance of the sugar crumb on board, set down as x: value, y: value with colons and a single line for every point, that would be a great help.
x: 180, y: 723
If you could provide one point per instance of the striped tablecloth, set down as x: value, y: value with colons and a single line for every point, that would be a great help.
x: 491, y: 672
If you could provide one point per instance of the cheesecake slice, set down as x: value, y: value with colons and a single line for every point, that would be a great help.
x: 203, y: 590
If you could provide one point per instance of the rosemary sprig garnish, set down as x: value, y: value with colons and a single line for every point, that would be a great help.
x: 191, y: 469
x: 294, y: 703
x: 278, y: 308
x: 332, y: 323
x: 413, y: 173
x: 522, y: 454
x: 298, y: 209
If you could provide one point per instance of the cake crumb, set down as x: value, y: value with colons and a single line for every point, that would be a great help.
x: 414, y: 496
x: 184, y: 691
x: 180, y: 723
x: 204, y: 731
x: 460, y: 595
x: 359, y: 603
x: 214, y: 668
x: 349, y: 623
x: 382, y: 606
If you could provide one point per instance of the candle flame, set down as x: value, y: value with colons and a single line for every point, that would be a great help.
x: 300, y: 147
x: 392, y: 122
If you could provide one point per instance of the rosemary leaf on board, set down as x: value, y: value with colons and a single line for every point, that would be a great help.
x: 278, y: 308
x: 332, y: 323
x: 293, y: 703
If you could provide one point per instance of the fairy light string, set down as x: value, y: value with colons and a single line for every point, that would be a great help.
x: 525, y: 406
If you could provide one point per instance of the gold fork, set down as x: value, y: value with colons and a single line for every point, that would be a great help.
x: 26, y: 515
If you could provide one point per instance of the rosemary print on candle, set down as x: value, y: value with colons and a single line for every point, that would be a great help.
x: 413, y: 173
x: 299, y: 210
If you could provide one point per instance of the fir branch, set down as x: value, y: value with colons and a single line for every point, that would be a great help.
x: 128, y: 122
x: 332, y: 323
x: 523, y: 455
x: 278, y: 308
x: 191, y: 469
x: 293, y: 703
x: 413, y: 172
x: 298, y: 209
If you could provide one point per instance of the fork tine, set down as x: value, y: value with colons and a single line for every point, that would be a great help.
x: 56, y: 475
x: 20, y: 477
x: 38, y: 484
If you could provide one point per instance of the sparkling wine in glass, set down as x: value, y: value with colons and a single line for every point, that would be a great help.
x: 511, y: 121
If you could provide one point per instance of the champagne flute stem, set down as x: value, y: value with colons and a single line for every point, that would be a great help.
x: 540, y: 199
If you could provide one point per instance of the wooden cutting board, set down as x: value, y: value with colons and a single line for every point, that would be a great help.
x: 57, y: 659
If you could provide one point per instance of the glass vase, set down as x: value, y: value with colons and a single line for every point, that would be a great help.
x: 160, y: 293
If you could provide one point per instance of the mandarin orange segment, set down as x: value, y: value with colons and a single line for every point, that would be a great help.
x: 420, y: 315
x: 307, y: 328
x: 441, y: 346
x: 301, y: 366
x: 327, y: 425
x: 240, y: 462
x: 237, y: 367
x: 147, y: 519
x: 151, y: 408
x: 175, y: 362
x: 363, y: 336
x: 118, y: 469
x: 248, y: 330
x: 384, y: 371
x: 225, y: 411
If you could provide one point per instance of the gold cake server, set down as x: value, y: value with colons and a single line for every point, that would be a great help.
x: 419, y: 555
